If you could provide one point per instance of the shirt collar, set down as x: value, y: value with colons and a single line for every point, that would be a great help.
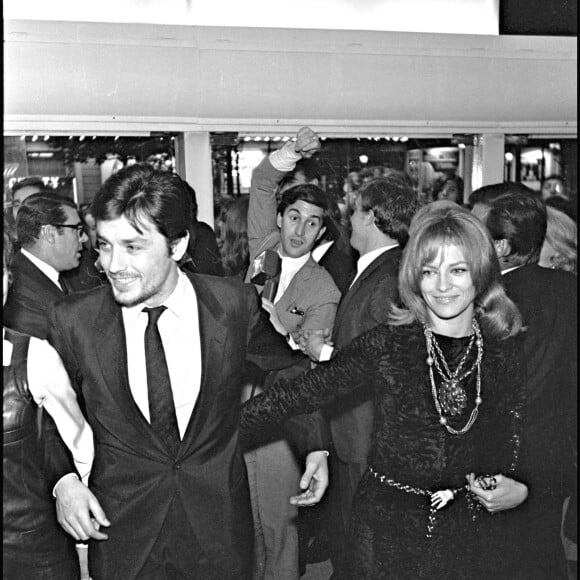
x: 510, y: 269
x: 45, y: 268
x: 366, y: 259
x: 175, y: 302
x: 294, y: 264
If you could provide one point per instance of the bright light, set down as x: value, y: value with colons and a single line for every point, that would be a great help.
x: 363, y: 159
x: 509, y: 157
x: 34, y: 138
x: 404, y: 139
x: 436, y: 16
x: 82, y: 138
x: 531, y: 156
x: 46, y: 137
x: 461, y: 145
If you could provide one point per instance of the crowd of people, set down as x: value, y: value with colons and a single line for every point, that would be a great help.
x: 381, y: 381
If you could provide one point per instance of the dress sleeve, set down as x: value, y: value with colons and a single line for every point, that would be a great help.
x: 351, y: 368
x: 510, y: 410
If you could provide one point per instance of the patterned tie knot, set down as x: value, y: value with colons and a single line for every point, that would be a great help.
x: 154, y: 313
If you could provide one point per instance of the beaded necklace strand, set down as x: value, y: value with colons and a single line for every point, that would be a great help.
x: 451, y: 391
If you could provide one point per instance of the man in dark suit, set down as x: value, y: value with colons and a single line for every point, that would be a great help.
x: 547, y: 300
x: 50, y: 233
x: 158, y: 357
x: 383, y: 211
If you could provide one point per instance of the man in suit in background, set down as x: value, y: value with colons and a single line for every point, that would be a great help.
x: 50, y: 233
x: 158, y: 357
x: 384, y: 208
x: 547, y: 300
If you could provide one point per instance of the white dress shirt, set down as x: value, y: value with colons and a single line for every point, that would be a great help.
x: 289, y: 268
x: 50, y: 387
x: 43, y: 267
x: 179, y: 329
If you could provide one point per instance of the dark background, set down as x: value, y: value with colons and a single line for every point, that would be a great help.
x: 539, y: 17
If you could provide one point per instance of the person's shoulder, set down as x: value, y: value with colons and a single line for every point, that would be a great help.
x: 320, y: 274
x: 533, y: 279
x: 84, y: 300
x: 202, y: 229
x: 220, y: 286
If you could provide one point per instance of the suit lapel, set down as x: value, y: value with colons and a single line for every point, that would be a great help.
x: 350, y: 296
x: 213, y: 334
x: 298, y: 284
x: 111, y: 352
x: 47, y: 287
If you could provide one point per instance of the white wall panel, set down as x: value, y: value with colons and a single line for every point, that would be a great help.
x: 123, y: 77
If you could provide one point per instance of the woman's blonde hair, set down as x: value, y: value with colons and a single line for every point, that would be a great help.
x: 562, y: 236
x: 444, y: 223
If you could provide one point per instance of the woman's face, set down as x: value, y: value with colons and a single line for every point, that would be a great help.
x: 91, y: 229
x: 448, y: 291
x: 449, y: 192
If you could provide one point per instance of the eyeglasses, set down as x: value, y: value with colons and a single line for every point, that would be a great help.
x: 80, y: 227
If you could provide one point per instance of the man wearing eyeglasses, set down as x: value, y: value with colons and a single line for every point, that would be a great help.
x: 51, y: 235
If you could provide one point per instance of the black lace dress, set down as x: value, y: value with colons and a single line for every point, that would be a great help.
x: 389, y: 526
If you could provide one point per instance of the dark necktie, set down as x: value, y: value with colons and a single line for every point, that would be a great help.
x: 161, y: 406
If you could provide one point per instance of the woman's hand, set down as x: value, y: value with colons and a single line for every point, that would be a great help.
x: 269, y: 307
x: 504, y: 493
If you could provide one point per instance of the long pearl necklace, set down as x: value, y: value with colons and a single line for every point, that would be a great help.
x: 451, y: 397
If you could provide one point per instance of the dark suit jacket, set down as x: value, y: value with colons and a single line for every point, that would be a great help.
x: 134, y: 476
x: 203, y: 255
x: 364, y: 306
x: 29, y: 298
x: 340, y: 262
x: 547, y: 300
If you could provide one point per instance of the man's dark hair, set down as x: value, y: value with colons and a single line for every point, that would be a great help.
x: 308, y: 193
x: 521, y: 219
x: 393, y: 201
x: 37, y: 210
x: 308, y: 167
x: 487, y: 193
x: 193, y: 198
x: 33, y: 181
x: 139, y: 193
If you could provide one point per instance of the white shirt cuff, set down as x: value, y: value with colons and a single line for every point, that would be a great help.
x: 326, y: 353
x: 285, y: 158
x: 67, y: 476
x: 292, y: 343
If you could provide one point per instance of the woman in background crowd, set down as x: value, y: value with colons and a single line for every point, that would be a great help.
x: 232, y: 225
x: 560, y: 247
